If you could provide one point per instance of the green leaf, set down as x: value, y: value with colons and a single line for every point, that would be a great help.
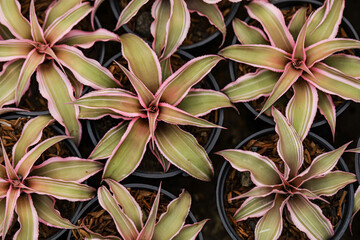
x: 30, y: 135
x: 147, y: 68
x: 8, y: 81
x: 302, y: 107
x: 109, y: 141
x: 161, y: 12
x: 254, y: 207
x: 129, y: 11
x: 59, y: 9
x: 252, y: 86
x: 182, y: 150
x: 28, y: 218
x: 247, y: 34
x: 124, y: 225
x: 128, y: 153
x: 327, y: 109
x: 199, y: 102
x: 308, y: 218
x: 289, y: 145
x: 173, y: 219
x: 129, y: 205
x: 263, y: 170
x: 297, y: 22
x: 348, y: 64
x: 262, y: 56
x: 189, y: 232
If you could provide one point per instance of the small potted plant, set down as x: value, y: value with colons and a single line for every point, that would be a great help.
x: 285, y: 187
x: 298, y: 57
x: 134, y: 218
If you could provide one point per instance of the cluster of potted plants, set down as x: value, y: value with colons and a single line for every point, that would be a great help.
x: 153, y: 110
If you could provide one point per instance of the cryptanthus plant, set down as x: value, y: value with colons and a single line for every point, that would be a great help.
x: 131, y: 222
x: 153, y: 112
x: 291, y: 188
x: 51, y: 51
x: 298, y: 55
x: 31, y: 189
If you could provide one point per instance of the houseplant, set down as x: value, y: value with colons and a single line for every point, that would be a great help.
x: 211, y: 136
x: 49, y: 50
x: 31, y: 183
x: 143, y: 221
x: 308, y: 65
x: 152, y: 113
x: 275, y: 187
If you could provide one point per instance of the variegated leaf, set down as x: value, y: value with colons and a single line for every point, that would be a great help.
x: 247, y: 34
x: 28, y: 218
x: 254, y: 207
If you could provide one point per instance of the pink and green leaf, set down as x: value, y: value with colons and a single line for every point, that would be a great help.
x: 56, y: 88
x: 95, y: 114
x: 325, y: 48
x: 129, y: 205
x: 58, y: 9
x: 335, y: 82
x: 297, y: 22
x: 289, y: 145
x: 287, y: 79
x: 129, y: 11
x: 252, y: 86
x: 145, y: 96
x: 211, y: 12
x: 5, y: 33
x: 327, y: 109
x: 271, y: 224
x: 199, y: 102
x: 322, y: 164
x: 124, y: 225
x: 27, y: 161
x: 176, y: 87
x: 36, y: 30
x: 11, y: 200
x: 176, y: 116
x: 309, y: 218
x: 173, y: 219
x: 116, y: 100
x: 302, y: 107
x: 85, y: 39
x: 33, y: 60
x: 66, y: 190
x: 348, y: 64
x: 30, y: 135
x: 179, y: 24
x: 67, y: 169
x: 263, y: 170
x: 261, y: 191
x: 254, y: 207
x: 147, y: 68
x: 63, y: 24
x: 11, y: 17
x: 8, y: 81
x: 27, y: 217
x: 86, y: 70
x: 328, y: 28
x: 329, y: 184
x: 10, y: 171
x: 273, y: 22
x: 45, y: 208
x: 182, y: 150
x: 14, y: 49
x: 4, y: 186
x: 356, y: 202
x: 262, y: 56
x: 127, y: 155
x: 247, y: 34
x: 190, y: 231
x: 161, y: 11
x: 109, y: 141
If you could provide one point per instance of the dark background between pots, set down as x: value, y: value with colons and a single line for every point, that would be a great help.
x: 239, y: 126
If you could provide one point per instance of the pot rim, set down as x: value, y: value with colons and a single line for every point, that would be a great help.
x: 286, y: 3
x: 94, y: 201
x: 348, y: 205
x: 357, y: 163
x: 233, y: 10
x: 214, y: 135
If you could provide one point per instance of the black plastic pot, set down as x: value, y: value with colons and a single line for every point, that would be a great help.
x: 71, y: 147
x: 357, y: 163
x: 346, y: 208
x: 215, y: 133
x: 283, y: 4
x: 94, y: 205
x: 234, y: 8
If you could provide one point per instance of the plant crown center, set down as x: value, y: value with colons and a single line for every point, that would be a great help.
x: 296, y: 63
x: 41, y: 47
